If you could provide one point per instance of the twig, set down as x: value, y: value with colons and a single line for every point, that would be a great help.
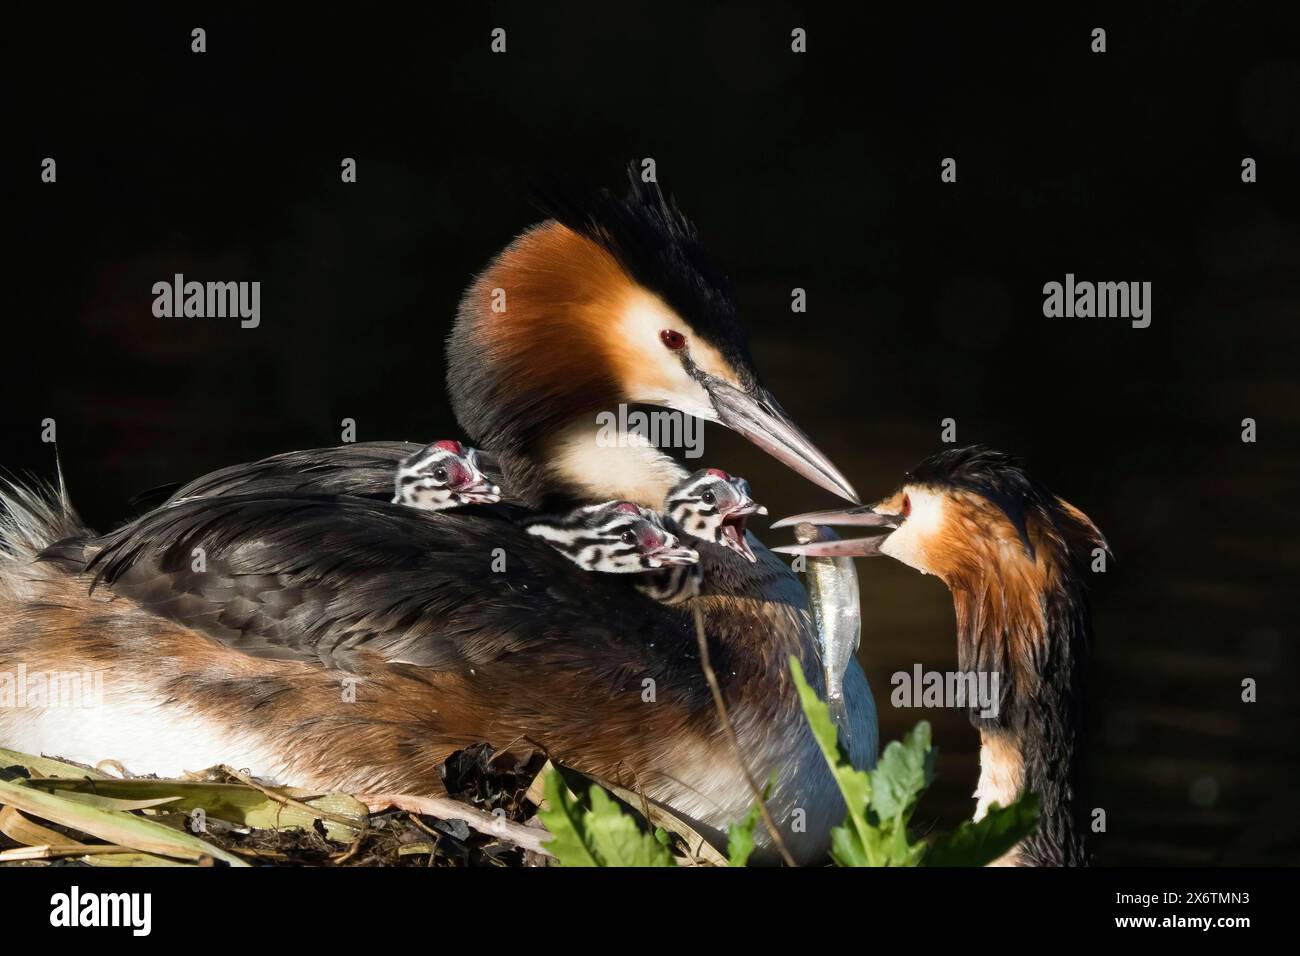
x: 284, y: 801
x: 351, y: 851
x: 530, y: 838
x: 259, y: 854
x: 718, y: 702
x: 48, y: 851
x: 423, y: 826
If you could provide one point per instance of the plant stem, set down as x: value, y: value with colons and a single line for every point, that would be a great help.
x: 721, y: 706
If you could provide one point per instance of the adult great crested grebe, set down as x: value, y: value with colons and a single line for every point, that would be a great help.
x: 1014, y: 557
x: 286, y: 617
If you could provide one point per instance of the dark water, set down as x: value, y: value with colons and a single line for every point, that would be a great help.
x: 925, y: 299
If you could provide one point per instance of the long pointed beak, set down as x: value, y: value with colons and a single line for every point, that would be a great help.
x: 857, y: 548
x: 862, y: 517
x: 759, y: 418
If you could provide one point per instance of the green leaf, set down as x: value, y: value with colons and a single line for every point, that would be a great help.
x: 980, y: 843
x: 904, y: 770
x: 847, y: 848
x: 895, y: 847
x: 47, y: 766
x: 855, y: 785
x: 129, y: 859
x: 661, y: 819
x: 601, y: 835
x: 880, y: 802
x: 343, y: 817
x: 565, y: 818
x: 740, y: 836
x: 114, y: 826
x: 617, y: 839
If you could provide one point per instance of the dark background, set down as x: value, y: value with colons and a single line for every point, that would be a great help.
x: 819, y: 171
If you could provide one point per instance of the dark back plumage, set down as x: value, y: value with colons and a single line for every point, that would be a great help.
x: 335, y: 578
x: 361, y: 469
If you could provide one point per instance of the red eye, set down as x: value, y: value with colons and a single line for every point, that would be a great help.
x: 907, y: 506
x: 672, y: 339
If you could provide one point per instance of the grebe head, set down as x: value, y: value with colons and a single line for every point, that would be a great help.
x: 614, y: 537
x: 442, y: 475
x: 962, y: 515
x: 609, y: 303
x: 714, y: 506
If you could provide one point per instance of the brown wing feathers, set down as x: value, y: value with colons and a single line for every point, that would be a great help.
x: 325, y: 578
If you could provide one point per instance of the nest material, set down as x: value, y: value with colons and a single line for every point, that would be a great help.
x: 55, y: 813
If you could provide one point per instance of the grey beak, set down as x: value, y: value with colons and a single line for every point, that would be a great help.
x: 857, y: 548
x: 758, y: 417
x: 862, y: 517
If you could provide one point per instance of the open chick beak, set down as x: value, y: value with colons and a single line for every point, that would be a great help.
x: 756, y: 415
x: 862, y: 517
x: 732, y: 532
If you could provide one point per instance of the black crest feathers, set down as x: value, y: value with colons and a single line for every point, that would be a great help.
x: 651, y: 238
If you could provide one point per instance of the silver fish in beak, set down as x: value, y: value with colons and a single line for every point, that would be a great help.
x: 837, y: 613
